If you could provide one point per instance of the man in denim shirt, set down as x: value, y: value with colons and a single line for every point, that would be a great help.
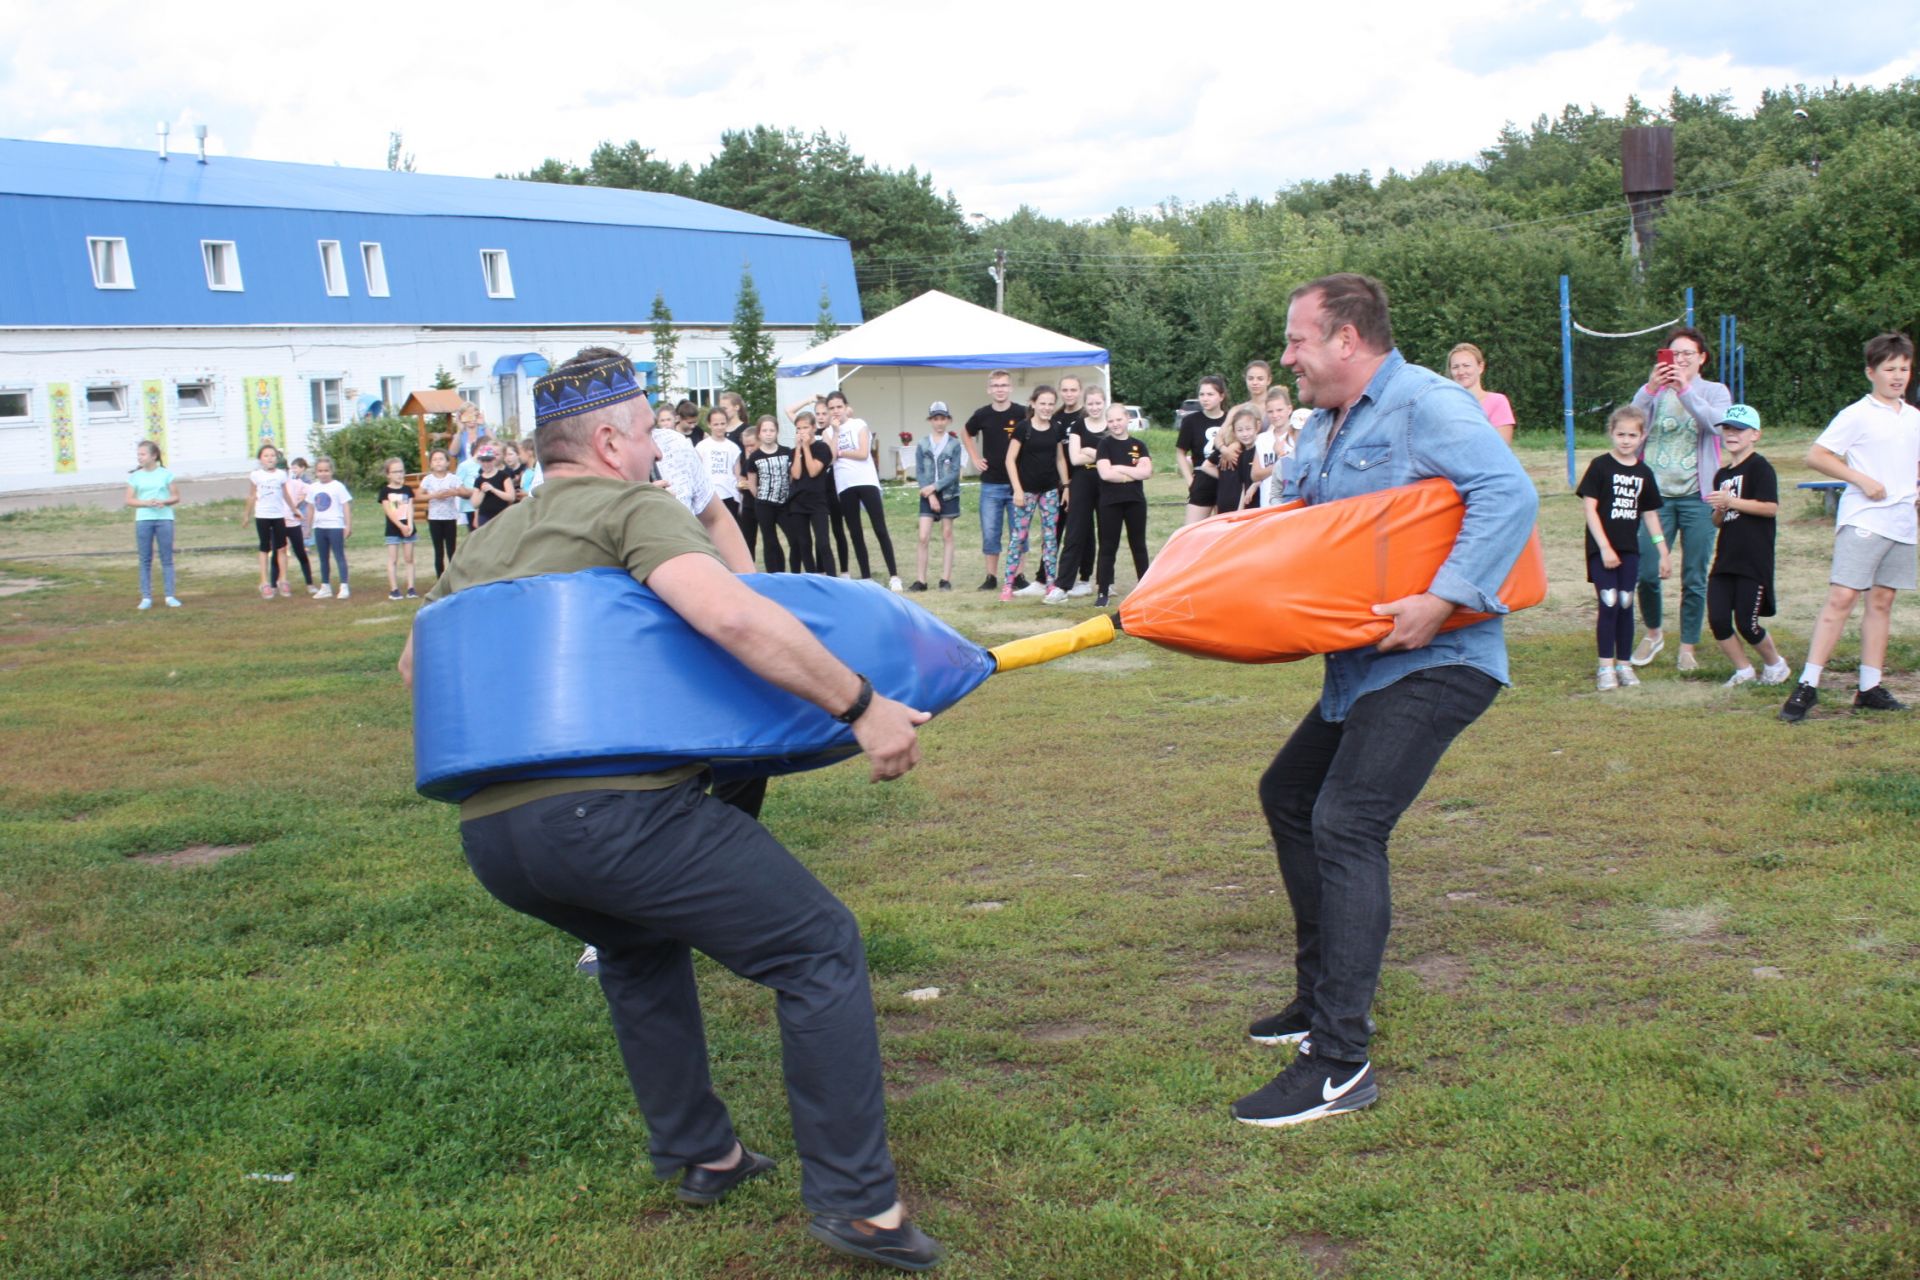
x: 1388, y: 713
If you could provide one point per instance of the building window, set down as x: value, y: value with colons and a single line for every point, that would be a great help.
x: 326, y: 401
x: 510, y: 403
x: 16, y: 405
x: 706, y: 379
x: 107, y: 400
x: 193, y: 397
x: 499, y: 276
x: 333, y: 269
x: 223, y: 265
x: 111, y: 267
x: 471, y: 395
x: 393, y: 394
x: 373, y: 263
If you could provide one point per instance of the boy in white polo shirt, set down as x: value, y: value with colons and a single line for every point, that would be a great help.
x: 1873, y: 445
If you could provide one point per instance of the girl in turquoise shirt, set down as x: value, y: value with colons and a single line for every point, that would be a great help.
x: 151, y: 495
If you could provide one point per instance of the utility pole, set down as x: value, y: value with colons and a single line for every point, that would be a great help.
x: 999, y: 273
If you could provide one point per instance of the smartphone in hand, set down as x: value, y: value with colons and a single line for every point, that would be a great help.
x: 1663, y: 356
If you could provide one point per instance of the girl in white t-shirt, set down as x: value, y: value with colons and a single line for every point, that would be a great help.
x: 332, y: 526
x: 858, y: 482
x: 722, y: 457
x: 267, y: 508
x: 444, y: 491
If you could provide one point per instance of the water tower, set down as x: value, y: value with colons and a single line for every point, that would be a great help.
x: 1646, y: 175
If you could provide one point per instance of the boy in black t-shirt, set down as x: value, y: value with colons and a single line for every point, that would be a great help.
x: 988, y: 433
x: 1619, y: 493
x: 1745, y: 502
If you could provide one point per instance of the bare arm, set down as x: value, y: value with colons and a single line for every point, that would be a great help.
x: 1833, y: 466
x: 1013, y: 470
x: 863, y: 449
x: 1060, y: 463
x: 725, y: 533
x: 775, y: 646
x: 1597, y: 529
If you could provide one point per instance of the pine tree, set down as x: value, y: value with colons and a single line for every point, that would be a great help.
x: 751, y: 354
x: 665, y: 342
x: 824, y: 328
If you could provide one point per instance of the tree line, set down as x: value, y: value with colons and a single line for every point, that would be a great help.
x: 1797, y: 216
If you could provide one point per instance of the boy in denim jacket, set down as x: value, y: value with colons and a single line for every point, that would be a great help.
x: 936, y: 466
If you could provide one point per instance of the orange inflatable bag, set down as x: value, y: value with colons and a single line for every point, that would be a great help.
x: 1278, y: 584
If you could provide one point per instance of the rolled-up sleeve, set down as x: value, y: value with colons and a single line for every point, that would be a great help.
x: 1450, y: 438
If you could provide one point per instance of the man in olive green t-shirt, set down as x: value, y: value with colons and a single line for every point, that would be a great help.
x: 646, y: 867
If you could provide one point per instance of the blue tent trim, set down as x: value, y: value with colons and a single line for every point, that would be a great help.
x: 530, y: 363
x: 1009, y: 360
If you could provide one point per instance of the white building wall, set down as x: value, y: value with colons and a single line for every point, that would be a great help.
x: 214, y: 442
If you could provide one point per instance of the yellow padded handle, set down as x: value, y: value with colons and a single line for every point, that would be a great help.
x: 1034, y: 650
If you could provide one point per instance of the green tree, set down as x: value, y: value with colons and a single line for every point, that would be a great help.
x: 824, y: 327
x: 750, y: 351
x: 666, y: 374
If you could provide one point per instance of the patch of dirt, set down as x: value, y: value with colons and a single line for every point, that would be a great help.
x: 1443, y: 973
x: 1699, y: 924
x: 194, y: 855
x: 20, y: 586
x: 1261, y: 963
x: 1061, y: 1032
x: 1327, y: 1256
x: 916, y: 1075
x: 653, y: 1218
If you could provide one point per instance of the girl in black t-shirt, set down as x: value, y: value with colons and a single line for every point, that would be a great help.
x: 493, y: 488
x: 1235, y: 485
x: 396, y: 503
x: 1199, y: 434
x: 810, y: 523
x: 1124, y: 466
x: 1037, y: 470
x: 772, y: 465
x: 1620, y: 494
x: 516, y: 468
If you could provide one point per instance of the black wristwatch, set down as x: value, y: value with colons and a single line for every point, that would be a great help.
x: 861, y: 702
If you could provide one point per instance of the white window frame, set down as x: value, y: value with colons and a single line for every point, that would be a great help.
x: 117, y: 256
x: 17, y: 420
x: 715, y: 374
x: 504, y: 281
x: 122, y: 394
x: 208, y: 410
x: 389, y: 406
x: 208, y: 251
x: 373, y: 268
x: 333, y: 270
x: 316, y: 399
x: 471, y: 395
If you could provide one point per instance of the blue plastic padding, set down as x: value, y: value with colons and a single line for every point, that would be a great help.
x: 621, y: 684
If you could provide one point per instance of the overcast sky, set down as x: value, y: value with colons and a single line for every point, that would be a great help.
x: 1074, y: 109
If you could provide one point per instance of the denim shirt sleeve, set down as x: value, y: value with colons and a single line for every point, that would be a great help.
x: 922, y: 464
x: 1449, y: 438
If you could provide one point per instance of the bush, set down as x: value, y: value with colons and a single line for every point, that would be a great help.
x: 360, y: 450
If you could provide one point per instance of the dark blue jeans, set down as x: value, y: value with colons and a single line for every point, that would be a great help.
x: 646, y: 876
x: 1332, y: 797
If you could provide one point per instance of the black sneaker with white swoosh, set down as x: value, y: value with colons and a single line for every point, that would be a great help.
x: 1310, y: 1088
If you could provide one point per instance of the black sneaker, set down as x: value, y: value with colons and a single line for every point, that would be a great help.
x: 393, y: 595
x: 905, y: 1246
x: 1799, y: 702
x: 945, y: 585
x: 918, y: 586
x: 1100, y: 601
x: 711, y: 1186
x: 412, y: 594
x: 1876, y: 699
x: 1289, y: 1026
x: 1020, y: 582
x: 989, y: 583
x: 1309, y: 1089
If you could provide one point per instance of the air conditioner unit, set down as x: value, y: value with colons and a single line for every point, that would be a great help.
x: 469, y: 359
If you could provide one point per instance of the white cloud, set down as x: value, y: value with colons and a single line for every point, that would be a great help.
x: 1073, y: 112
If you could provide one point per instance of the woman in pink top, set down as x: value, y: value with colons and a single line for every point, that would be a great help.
x: 1465, y: 364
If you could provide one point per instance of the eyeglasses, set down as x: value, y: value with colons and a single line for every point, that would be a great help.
x: 1681, y: 353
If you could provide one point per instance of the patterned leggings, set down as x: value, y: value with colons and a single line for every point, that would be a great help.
x: 1047, y: 506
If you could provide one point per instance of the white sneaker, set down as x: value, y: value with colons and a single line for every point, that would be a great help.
x: 315, y: 592
x: 346, y: 592
x: 1055, y: 596
x: 1607, y: 679
x: 1775, y: 674
x: 175, y: 604
x: 1081, y: 589
x: 146, y: 602
x: 1744, y: 675
x: 1032, y: 589
x: 1686, y: 661
x: 1629, y: 678
x: 1647, y: 650
x: 323, y: 592
x: 894, y: 584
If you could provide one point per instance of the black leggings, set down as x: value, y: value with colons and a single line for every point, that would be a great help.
x: 837, y: 517
x: 812, y: 543
x: 297, y: 539
x: 1078, y: 546
x: 748, y: 522
x: 1613, y: 626
x: 866, y: 497
x: 1132, y: 516
x: 772, y: 520
x: 446, y: 536
x: 1734, y: 604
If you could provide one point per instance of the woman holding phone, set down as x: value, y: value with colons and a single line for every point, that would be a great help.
x: 1683, y: 449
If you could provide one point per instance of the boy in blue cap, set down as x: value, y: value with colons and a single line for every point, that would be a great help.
x: 1745, y: 501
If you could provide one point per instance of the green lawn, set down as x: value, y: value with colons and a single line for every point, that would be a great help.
x: 1650, y: 1009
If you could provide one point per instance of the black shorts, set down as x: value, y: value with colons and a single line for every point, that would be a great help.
x: 272, y: 531
x: 1204, y: 491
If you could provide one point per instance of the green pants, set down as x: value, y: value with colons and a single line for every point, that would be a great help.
x: 1687, y: 523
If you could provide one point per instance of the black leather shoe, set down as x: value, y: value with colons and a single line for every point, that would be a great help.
x: 905, y: 1246
x: 711, y: 1186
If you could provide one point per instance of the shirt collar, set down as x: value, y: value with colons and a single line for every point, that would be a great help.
x: 1388, y: 367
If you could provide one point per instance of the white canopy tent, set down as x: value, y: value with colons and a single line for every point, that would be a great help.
x: 936, y: 347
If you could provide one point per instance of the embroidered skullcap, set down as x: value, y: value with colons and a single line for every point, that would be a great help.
x: 579, y: 388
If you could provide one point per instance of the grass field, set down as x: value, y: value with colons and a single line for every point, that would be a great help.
x: 1651, y: 1006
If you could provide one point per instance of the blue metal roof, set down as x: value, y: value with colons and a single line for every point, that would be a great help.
x: 578, y: 255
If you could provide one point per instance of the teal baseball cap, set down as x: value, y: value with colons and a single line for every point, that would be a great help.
x: 1744, y: 416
